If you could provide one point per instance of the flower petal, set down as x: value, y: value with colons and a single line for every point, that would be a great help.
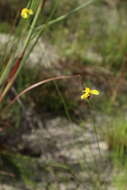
x: 31, y: 12
x: 87, y: 90
x: 95, y: 92
x: 85, y: 96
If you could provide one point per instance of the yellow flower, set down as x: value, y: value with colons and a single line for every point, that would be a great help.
x: 88, y: 92
x: 25, y: 13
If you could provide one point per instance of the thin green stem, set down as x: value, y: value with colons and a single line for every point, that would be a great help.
x: 32, y: 26
x: 63, y: 17
x: 97, y: 139
x: 63, y: 101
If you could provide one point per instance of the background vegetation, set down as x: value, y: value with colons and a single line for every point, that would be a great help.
x: 92, y: 43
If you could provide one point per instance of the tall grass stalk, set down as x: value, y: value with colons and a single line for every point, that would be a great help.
x: 96, y: 134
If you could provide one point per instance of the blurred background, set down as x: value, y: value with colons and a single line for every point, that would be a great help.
x: 50, y: 139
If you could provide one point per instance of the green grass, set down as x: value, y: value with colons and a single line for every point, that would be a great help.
x: 116, y: 137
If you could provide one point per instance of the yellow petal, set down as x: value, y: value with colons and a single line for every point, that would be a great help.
x: 87, y: 90
x: 31, y: 12
x: 24, y: 10
x: 95, y: 92
x: 85, y: 96
x: 25, y: 15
